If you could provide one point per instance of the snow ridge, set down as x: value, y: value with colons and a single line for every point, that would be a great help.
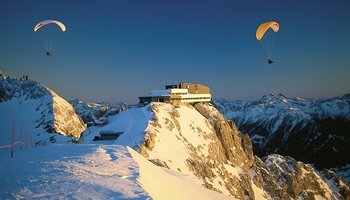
x: 36, y: 110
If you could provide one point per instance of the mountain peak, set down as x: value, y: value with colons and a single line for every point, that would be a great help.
x: 272, y: 97
x: 38, y: 108
x: 345, y: 96
x: 18, y: 88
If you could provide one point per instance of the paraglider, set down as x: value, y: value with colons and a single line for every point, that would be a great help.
x: 267, y: 41
x: 49, y: 40
x: 46, y: 22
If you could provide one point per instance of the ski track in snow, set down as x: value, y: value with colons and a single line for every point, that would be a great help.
x: 70, y: 172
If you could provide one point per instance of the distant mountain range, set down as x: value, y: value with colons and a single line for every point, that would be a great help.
x: 96, y: 113
x: 311, y: 130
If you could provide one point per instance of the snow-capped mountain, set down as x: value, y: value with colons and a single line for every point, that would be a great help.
x: 96, y: 113
x: 179, y: 152
x: 36, y: 112
x: 311, y: 130
x: 199, y: 143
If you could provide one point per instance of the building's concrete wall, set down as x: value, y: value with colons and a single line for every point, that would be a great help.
x: 194, y: 88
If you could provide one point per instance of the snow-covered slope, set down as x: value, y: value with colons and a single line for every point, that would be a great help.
x: 70, y: 172
x: 93, y: 171
x: 163, y: 183
x: 131, y: 122
x: 197, y: 142
x: 36, y: 112
x: 311, y: 130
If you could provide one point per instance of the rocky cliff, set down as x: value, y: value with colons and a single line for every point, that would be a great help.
x: 198, y: 140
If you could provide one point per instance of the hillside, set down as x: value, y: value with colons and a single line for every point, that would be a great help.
x: 198, y: 142
x: 37, y: 113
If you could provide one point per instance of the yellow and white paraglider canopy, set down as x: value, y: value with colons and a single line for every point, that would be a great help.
x: 46, y: 22
x: 260, y: 32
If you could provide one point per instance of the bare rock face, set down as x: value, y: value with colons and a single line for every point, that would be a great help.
x: 344, y: 190
x: 150, y: 137
x: 148, y: 143
x: 228, y: 134
x: 262, y: 177
x: 285, y: 178
x: 247, y: 147
x: 66, y: 121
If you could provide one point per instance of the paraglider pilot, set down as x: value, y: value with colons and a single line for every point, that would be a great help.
x: 269, y: 61
x: 48, y: 53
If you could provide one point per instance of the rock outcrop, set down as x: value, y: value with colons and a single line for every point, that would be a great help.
x: 285, y: 178
x: 227, y: 133
x: 198, y: 140
x: 37, y: 109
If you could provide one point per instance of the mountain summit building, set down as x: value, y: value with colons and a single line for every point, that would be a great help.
x: 181, y: 93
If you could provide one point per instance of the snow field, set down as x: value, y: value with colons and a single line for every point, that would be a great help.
x: 71, y: 172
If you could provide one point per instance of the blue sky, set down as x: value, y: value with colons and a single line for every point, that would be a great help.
x: 119, y: 50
